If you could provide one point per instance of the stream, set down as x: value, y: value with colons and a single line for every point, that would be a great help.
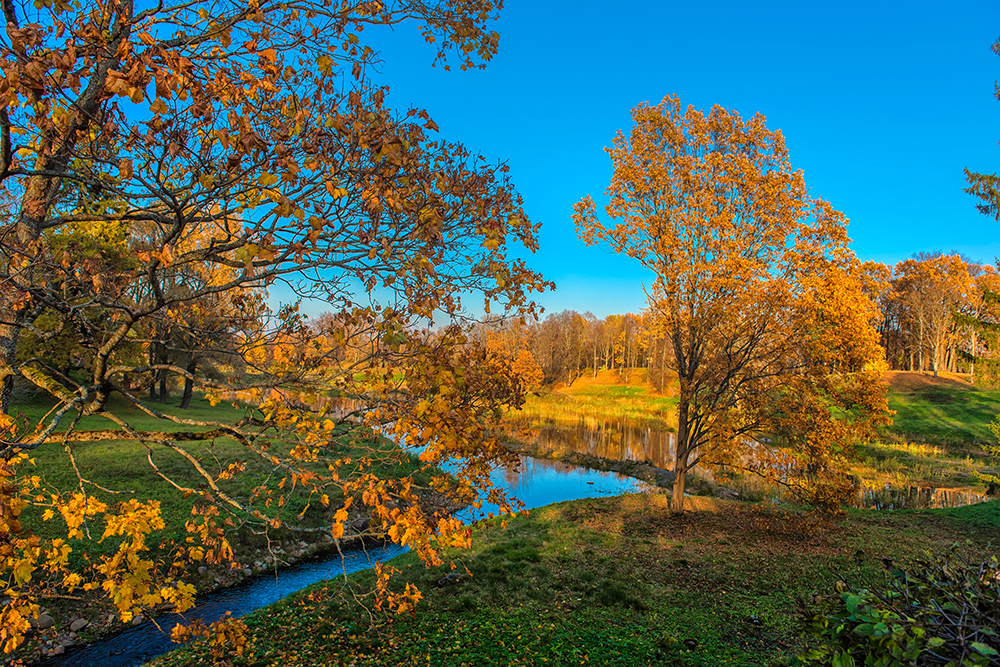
x: 537, y: 483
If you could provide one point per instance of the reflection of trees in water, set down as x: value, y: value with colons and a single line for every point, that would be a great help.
x: 528, y: 467
x: 914, y: 497
x: 614, y: 440
x: 611, y: 440
x: 621, y: 441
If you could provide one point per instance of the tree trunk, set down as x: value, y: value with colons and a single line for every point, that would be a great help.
x: 663, y: 368
x: 192, y: 366
x: 153, y: 356
x: 920, y: 349
x: 972, y: 364
x: 681, y: 455
x: 164, y: 390
x: 8, y: 350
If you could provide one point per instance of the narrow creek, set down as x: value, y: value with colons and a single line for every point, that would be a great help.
x: 538, y: 482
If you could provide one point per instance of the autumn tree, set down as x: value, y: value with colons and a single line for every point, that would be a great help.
x: 231, y: 146
x: 931, y: 289
x: 511, y: 340
x: 746, y: 264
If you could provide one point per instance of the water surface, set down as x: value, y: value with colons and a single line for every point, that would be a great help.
x: 537, y: 483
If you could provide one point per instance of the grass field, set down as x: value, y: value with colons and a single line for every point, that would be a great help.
x: 605, y: 397
x: 610, y: 581
x: 946, y: 410
x: 617, y: 581
x: 937, y: 434
x: 121, y: 467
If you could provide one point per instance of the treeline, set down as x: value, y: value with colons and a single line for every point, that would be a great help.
x: 937, y: 313
x: 565, y: 346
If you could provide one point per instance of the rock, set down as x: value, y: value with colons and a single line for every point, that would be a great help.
x: 691, y: 644
x: 247, y: 572
x: 450, y: 579
x: 203, y: 570
x: 58, y: 650
x: 78, y: 624
x: 360, y: 525
x: 137, y: 620
x: 66, y: 641
x: 727, y: 494
x: 44, y: 622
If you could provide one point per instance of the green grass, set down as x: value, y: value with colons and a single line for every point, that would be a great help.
x: 605, y: 398
x: 937, y: 433
x: 936, y: 439
x: 610, y: 581
x: 954, y: 417
x: 122, y: 468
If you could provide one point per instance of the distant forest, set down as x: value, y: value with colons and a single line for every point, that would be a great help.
x: 936, y: 312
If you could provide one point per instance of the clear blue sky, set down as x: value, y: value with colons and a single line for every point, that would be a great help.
x: 881, y: 103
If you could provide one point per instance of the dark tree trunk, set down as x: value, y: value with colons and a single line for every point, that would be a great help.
x: 164, y: 389
x: 681, y: 457
x: 192, y: 366
x: 153, y: 356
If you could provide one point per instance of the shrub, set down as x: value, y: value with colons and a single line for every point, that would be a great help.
x: 943, y: 611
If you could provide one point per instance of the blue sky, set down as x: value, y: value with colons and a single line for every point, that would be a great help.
x: 881, y: 103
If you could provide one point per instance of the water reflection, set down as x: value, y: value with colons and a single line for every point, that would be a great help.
x: 890, y: 497
x: 540, y: 482
x: 622, y: 441
x: 617, y: 440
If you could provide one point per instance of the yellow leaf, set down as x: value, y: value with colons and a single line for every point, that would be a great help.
x: 159, y: 106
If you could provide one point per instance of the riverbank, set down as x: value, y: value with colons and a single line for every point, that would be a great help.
x: 120, y: 470
x: 936, y: 441
x: 85, y: 620
x: 609, y: 581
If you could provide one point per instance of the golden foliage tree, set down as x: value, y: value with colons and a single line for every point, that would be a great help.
x: 931, y: 289
x: 751, y: 275
x: 165, y: 158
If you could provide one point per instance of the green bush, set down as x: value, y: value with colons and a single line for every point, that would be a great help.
x: 943, y: 611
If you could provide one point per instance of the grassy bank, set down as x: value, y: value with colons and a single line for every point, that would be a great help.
x: 936, y: 438
x: 119, y: 471
x: 607, y: 397
x: 611, y: 581
x: 937, y: 433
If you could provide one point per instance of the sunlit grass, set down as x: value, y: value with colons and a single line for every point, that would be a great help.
x: 609, y: 581
x: 605, y: 398
x: 936, y: 439
x: 119, y: 470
